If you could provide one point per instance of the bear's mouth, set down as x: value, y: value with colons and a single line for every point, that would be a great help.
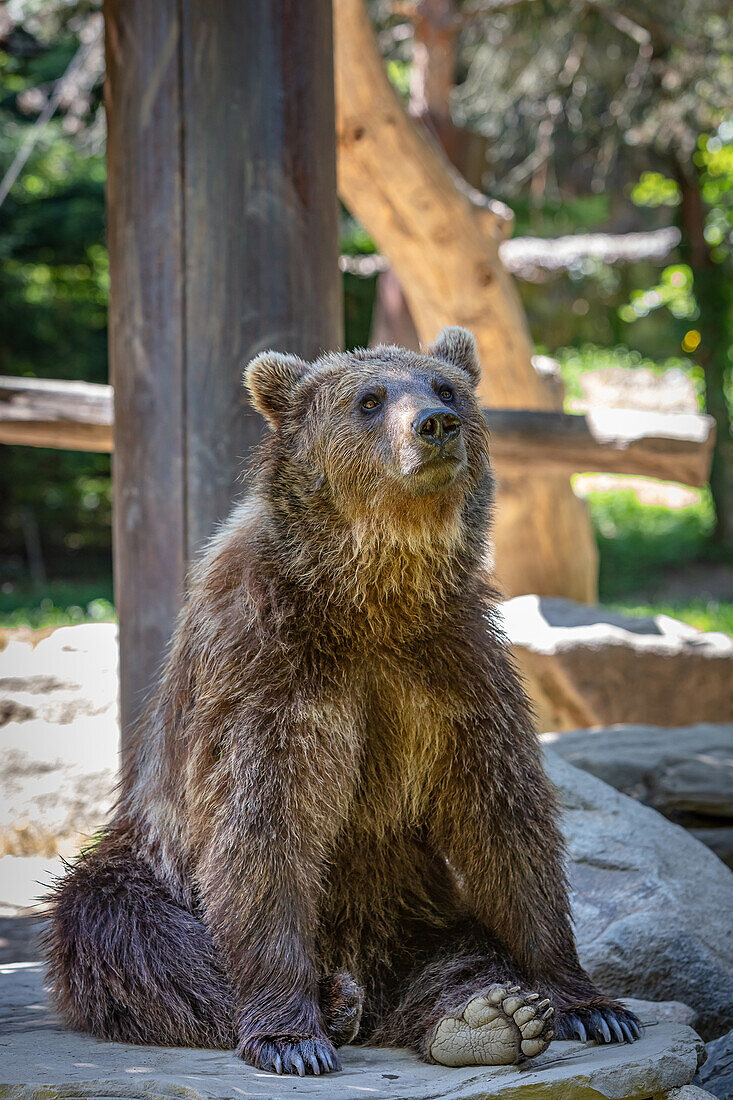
x: 436, y: 472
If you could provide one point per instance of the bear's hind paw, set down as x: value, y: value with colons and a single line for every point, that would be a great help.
x: 499, y: 1027
x: 601, y: 1023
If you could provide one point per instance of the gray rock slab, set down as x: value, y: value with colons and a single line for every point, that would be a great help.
x: 662, y: 1012
x: 684, y: 769
x: 59, y: 738
x: 39, y: 1060
x: 653, y: 908
x: 687, y: 1092
x: 716, y: 1073
x: 719, y: 839
x: 588, y: 666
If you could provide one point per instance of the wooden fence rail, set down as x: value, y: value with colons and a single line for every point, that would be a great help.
x: 670, y: 446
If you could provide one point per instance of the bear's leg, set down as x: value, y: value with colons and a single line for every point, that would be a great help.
x: 468, y: 1005
x: 495, y: 817
x: 128, y: 963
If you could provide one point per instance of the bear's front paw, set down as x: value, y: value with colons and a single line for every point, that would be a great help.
x: 289, y: 1054
x: 499, y: 1027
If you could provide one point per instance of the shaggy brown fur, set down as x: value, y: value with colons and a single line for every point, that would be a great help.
x: 338, y: 781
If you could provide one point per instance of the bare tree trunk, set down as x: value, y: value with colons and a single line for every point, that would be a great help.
x: 392, y: 321
x: 713, y: 295
x: 443, y: 245
x: 432, y: 77
x: 433, y: 61
x: 431, y: 80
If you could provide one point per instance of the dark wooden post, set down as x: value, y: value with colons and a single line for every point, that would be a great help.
x: 223, y: 241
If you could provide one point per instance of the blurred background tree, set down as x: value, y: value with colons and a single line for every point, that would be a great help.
x: 582, y: 116
x: 55, y: 505
x: 622, y: 101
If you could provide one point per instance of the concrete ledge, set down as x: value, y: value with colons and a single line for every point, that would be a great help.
x: 40, y: 1060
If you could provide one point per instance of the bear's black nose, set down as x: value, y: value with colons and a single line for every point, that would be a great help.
x: 436, y: 426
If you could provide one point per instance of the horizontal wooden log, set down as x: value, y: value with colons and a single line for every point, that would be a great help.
x: 39, y: 412
x: 669, y: 446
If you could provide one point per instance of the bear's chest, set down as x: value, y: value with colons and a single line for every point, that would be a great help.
x: 406, y: 736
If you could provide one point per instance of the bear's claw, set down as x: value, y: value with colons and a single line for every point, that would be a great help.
x: 294, y: 1056
x: 499, y: 1027
x: 603, y: 1024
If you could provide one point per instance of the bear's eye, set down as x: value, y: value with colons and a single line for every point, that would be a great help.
x: 370, y: 402
x: 445, y: 393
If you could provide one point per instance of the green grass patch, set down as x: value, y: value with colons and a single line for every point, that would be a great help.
x: 705, y: 614
x: 638, y: 542
x: 60, y: 603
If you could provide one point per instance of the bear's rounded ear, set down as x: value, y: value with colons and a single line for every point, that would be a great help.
x: 457, y: 346
x: 271, y: 378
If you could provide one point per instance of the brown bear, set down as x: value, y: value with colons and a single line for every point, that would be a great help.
x: 336, y: 805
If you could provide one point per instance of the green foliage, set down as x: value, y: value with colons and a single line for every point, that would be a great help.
x: 398, y: 72
x: 358, y: 307
x: 714, y: 159
x: 353, y: 238
x: 591, y: 90
x: 654, y: 190
x: 54, y: 281
x: 699, y: 292
x: 358, y: 292
x: 637, y: 542
x: 554, y: 217
x: 59, y: 604
x: 674, y: 291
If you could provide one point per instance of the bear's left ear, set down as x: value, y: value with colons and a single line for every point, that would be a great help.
x: 271, y: 379
x: 457, y: 346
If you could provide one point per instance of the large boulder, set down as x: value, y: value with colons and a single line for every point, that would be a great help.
x: 686, y: 769
x: 716, y: 1073
x: 686, y: 773
x: 719, y: 839
x: 653, y: 908
x: 40, y: 1059
x: 59, y: 739
x: 588, y: 666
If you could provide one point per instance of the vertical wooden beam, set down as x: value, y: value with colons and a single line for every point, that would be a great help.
x: 260, y: 214
x: 146, y: 332
x: 223, y: 241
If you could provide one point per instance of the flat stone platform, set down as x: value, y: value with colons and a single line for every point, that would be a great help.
x: 40, y: 1060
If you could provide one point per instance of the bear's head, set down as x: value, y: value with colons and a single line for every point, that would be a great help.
x: 380, y: 429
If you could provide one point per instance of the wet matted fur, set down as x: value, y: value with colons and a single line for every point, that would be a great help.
x: 335, y: 806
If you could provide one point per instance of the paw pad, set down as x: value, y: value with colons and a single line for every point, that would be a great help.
x: 499, y: 1027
